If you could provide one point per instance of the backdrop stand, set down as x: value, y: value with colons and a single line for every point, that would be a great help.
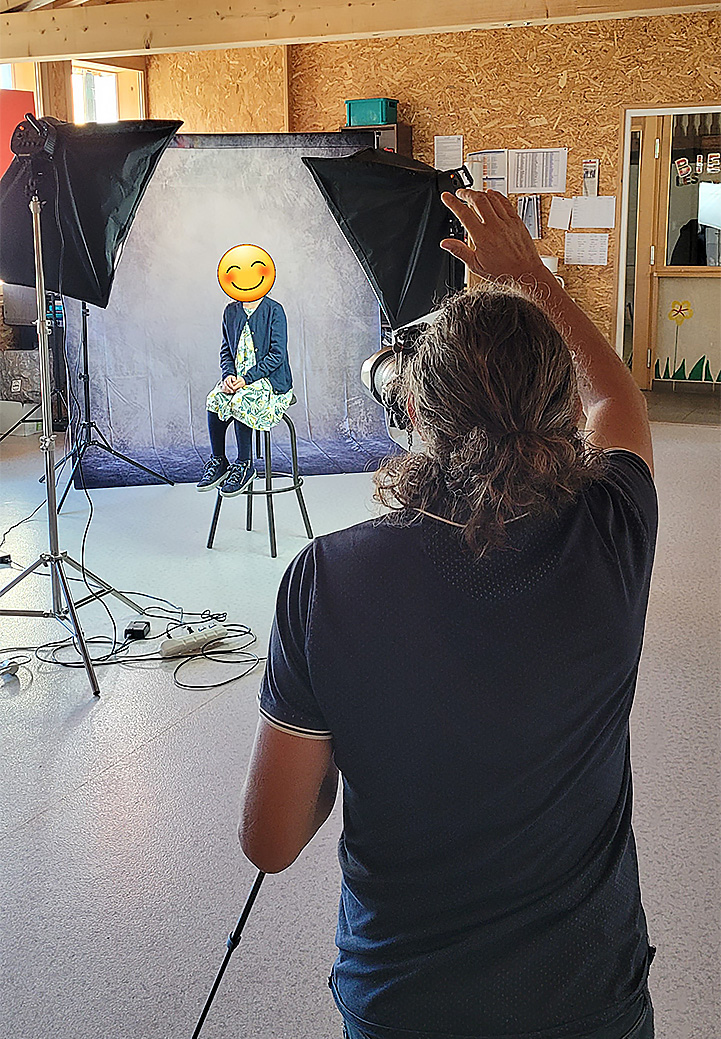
x: 84, y: 438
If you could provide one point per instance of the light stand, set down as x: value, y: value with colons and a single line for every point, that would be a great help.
x: 100, y: 174
x: 84, y: 438
x: 55, y: 559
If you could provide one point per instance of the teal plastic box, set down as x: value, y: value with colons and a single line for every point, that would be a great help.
x: 371, y: 111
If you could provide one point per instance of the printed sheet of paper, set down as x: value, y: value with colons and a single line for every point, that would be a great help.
x: 529, y: 210
x: 590, y: 176
x: 560, y: 214
x: 489, y: 170
x: 594, y: 211
x: 586, y: 250
x: 537, y: 170
x: 448, y: 152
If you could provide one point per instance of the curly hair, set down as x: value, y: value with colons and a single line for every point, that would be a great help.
x: 492, y: 391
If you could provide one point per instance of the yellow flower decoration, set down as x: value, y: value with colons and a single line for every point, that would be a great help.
x: 680, y: 311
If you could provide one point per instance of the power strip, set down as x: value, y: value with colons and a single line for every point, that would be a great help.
x: 198, y: 635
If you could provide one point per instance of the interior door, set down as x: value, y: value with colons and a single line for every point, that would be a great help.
x: 676, y: 305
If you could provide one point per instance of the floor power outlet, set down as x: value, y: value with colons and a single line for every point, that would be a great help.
x: 196, y: 636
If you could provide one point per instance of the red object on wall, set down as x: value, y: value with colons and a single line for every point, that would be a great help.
x: 13, y: 106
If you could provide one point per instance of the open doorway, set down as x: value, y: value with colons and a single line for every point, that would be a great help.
x: 669, y: 305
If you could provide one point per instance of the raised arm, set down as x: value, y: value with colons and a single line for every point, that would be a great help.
x: 500, y: 247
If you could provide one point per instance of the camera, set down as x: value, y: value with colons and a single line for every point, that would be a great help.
x: 381, y: 375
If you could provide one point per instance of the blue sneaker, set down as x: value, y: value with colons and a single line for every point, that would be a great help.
x: 240, y: 477
x: 214, y: 472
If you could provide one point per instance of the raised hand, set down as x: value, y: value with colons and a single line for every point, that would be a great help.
x: 498, y: 241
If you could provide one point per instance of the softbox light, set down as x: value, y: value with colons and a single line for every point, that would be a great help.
x: 91, y: 185
x: 390, y: 211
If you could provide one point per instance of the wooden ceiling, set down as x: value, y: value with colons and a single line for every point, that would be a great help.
x: 41, y: 30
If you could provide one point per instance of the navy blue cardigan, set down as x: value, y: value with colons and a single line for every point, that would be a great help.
x: 269, y: 330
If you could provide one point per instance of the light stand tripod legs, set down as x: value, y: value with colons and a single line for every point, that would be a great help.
x: 79, y: 452
x: 85, y: 430
x: 16, y: 580
x: 57, y: 565
x: 107, y: 588
x: 60, y: 587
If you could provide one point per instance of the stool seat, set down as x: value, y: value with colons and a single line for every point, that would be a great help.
x: 269, y: 490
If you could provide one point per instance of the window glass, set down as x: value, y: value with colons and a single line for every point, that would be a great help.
x: 6, y: 77
x: 95, y: 96
x: 694, y: 206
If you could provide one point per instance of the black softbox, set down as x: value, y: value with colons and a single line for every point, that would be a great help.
x: 390, y: 211
x: 92, y: 185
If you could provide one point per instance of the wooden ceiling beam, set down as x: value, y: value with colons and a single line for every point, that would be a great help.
x: 164, y: 26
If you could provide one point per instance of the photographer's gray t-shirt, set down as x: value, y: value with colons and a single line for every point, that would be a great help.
x: 479, y: 714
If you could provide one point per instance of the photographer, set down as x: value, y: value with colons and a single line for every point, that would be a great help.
x: 468, y: 662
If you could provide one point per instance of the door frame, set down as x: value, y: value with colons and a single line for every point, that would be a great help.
x: 651, y: 220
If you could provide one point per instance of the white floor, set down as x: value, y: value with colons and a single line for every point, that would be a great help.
x: 120, y: 875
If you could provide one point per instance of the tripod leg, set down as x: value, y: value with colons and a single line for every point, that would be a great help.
x: 19, y: 422
x: 107, y: 588
x: 76, y: 463
x: 79, y: 637
x: 231, y: 945
x: 20, y: 576
x: 131, y: 461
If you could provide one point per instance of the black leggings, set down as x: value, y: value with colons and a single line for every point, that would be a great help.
x: 243, y: 437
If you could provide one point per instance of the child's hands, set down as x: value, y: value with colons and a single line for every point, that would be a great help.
x: 231, y: 384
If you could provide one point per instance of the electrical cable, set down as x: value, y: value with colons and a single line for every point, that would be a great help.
x: 20, y: 522
x: 235, y: 654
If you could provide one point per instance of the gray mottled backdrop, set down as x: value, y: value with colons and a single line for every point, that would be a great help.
x: 154, y: 351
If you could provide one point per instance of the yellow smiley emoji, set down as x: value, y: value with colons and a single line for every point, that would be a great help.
x: 246, y: 273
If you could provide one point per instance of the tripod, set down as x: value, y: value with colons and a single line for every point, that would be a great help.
x: 55, y: 559
x: 84, y: 438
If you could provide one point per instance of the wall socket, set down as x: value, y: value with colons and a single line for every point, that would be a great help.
x: 16, y: 385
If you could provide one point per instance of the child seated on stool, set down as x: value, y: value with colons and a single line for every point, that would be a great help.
x: 256, y: 387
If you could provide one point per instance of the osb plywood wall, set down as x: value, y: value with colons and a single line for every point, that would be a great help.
x: 221, y: 91
x: 537, y: 87
x: 555, y: 86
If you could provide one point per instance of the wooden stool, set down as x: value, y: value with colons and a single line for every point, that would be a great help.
x: 269, y: 490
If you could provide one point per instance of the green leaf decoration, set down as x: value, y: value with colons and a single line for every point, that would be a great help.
x: 657, y: 370
x: 696, y: 372
x: 680, y: 372
x: 707, y: 376
x: 667, y: 370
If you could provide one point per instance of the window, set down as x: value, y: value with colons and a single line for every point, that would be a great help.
x: 694, y: 210
x: 95, y: 95
x: 6, y: 77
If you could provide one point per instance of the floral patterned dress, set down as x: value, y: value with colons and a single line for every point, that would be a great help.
x: 257, y: 405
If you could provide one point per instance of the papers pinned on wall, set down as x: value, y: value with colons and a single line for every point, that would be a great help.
x: 560, y: 214
x: 448, y: 152
x: 590, y: 176
x: 586, y: 250
x: 594, y: 211
x: 489, y: 170
x: 537, y: 170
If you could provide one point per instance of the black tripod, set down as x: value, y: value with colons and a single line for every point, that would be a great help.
x: 83, y: 438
